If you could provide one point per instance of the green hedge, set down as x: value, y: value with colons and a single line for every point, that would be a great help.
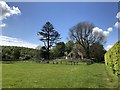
x: 112, y: 58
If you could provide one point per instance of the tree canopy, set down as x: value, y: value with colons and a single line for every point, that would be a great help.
x: 82, y: 34
x: 97, y: 51
x: 69, y: 46
x: 59, y: 49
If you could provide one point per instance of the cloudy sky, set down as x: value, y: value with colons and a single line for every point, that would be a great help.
x: 22, y: 20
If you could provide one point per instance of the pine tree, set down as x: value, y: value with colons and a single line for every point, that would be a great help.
x: 49, y: 36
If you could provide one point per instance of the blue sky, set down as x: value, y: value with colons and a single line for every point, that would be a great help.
x: 63, y: 16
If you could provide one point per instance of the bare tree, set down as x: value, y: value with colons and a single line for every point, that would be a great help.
x: 82, y: 34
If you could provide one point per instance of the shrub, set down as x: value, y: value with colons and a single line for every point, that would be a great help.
x: 112, y: 58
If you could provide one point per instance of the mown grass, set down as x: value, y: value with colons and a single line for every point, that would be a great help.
x: 34, y: 75
x: 0, y: 75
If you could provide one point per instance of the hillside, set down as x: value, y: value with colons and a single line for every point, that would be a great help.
x: 16, y: 53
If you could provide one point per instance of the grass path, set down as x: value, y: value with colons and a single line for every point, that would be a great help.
x: 28, y: 75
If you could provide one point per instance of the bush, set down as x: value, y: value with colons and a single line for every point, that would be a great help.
x: 88, y: 61
x: 112, y: 58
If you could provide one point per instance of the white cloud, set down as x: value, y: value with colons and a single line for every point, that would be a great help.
x: 99, y: 32
x: 117, y: 25
x: 2, y: 25
x: 108, y: 47
x: 110, y: 29
x: 96, y: 31
x: 10, y: 41
x: 118, y: 15
x: 7, y: 11
x: 105, y: 33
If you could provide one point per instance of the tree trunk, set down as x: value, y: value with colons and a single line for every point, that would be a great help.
x: 48, y: 46
x: 48, y: 53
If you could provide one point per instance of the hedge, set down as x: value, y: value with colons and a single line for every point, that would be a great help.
x: 112, y: 58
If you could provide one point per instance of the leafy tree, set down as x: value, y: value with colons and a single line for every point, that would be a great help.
x: 43, y: 52
x: 13, y: 52
x: 49, y: 36
x: 97, y: 51
x: 69, y: 46
x: 0, y: 53
x: 6, y: 53
x: 82, y: 34
x: 16, y: 53
x: 59, y: 49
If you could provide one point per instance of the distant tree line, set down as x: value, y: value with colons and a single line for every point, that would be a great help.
x: 60, y: 50
x: 17, y: 53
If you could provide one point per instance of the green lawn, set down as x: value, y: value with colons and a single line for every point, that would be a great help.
x: 0, y: 75
x: 34, y: 75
